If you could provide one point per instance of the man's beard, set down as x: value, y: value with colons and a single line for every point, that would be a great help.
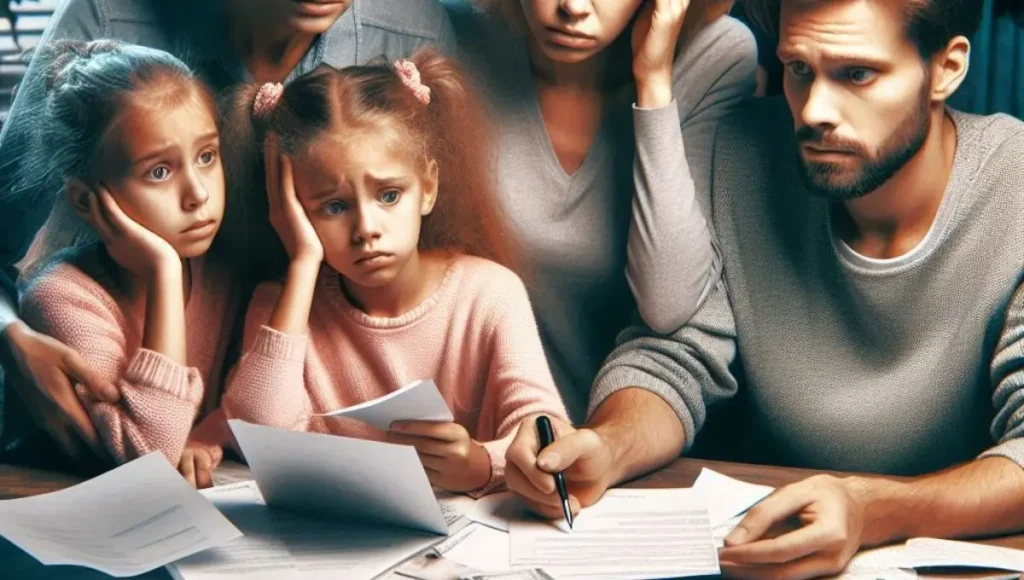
x: 834, y: 181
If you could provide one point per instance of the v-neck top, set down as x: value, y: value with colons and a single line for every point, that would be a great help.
x: 626, y: 232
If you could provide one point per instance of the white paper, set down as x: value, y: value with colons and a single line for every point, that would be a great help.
x: 629, y: 533
x: 728, y: 497
x: 418, y: 401
x: 933, y: 553
x: 128, y: 521
x: 877, y: 564
x: 479, y: 547
x: 454, y: 506
x: 497, y: 510
x: 339, y: 477
x: 284, y: 545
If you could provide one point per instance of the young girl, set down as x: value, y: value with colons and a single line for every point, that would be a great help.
x: 132, y: 139
x: 382, y: 175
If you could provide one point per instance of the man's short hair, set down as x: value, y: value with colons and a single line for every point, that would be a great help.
x: 930, y: 24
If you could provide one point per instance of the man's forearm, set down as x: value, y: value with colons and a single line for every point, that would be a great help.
x: 983, y: 497
x: 642, y: 431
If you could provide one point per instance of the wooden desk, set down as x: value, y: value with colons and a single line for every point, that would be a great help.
x: 21, y: 482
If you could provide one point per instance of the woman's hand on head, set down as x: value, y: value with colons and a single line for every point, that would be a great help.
x: 655, y: 38
x: 131, y: 245
x: 286, y: 212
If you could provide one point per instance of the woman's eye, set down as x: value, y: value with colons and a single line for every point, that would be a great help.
x: 160, y: 173
x: 390, y: 197
x: 207, y: 158
x: 334, y: 208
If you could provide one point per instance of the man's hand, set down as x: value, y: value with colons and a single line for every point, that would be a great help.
x: 451, y: 458
x: 582, y: 455
x: 52, y: 370
x: 831, y: 512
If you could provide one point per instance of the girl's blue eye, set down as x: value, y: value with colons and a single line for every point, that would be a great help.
x: 160, y: 173
x: 390, y: 197
x: 335, y: 207
x: 799, y: 68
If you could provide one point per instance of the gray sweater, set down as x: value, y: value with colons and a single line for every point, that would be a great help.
x: 626, y: 224
x: 898, y: 366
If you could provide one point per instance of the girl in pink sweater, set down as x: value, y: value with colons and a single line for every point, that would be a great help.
x: 380, y: 171
x: 132, y: 140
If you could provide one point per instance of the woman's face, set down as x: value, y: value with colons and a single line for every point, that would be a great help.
x: 571, y: 31
x: 303, y: 16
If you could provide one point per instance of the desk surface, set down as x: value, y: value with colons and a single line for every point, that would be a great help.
x: 21, y: 482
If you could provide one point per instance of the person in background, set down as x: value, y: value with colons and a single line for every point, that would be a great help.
x: 379, y: 187
x: 132, y: 135
x: 871, y: 311
x: 605, y: 111
x: 225, y: 42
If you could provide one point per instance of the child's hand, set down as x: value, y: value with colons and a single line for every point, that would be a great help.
x: 132, y: 246
x: 286, y: 213
x: 198, y: 462
x: 452, y: 459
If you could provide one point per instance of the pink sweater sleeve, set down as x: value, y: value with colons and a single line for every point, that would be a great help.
x: 159, y: 397
x: 268, y: 385
x: 519, y: 383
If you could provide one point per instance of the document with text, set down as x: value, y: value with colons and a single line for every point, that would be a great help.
x: 284, y: 545
x: 629, y: 533
x: 128, y: 521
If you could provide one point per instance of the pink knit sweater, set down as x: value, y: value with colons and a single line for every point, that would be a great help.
x: 77, y: 302
x: 475, y: 336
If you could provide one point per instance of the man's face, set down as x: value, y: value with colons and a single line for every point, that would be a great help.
x: 859, y: 92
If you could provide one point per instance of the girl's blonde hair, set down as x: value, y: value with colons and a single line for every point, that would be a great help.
x: 452, y: 130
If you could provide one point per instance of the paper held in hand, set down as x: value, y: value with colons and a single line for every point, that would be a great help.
x: 340, y: 477
x: 418, y: 401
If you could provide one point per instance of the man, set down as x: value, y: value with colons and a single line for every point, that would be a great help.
x: 869, y: 267
x: 227, y: 41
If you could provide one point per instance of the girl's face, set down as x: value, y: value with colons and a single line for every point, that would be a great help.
x: 162, y: 166
x: 570, y: 31
x: 366, y: 197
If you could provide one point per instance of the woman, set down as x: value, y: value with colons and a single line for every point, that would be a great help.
x: 606, y: 111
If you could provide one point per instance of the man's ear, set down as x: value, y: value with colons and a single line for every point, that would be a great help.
x: 949, y: 68
x: 429, y: 188
x: 79, y: 195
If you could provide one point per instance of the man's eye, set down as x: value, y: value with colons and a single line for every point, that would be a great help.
x: 861, y: 76
x: 799, y: 68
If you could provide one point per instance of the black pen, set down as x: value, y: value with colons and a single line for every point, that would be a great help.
x: 547, y: 437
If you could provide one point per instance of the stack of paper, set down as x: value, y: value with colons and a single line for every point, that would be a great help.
x: 932, y: 553
x: 126, y: 522
x: 283, y: 545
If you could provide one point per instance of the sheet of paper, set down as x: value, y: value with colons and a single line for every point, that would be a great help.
x: 531, y: 574
x: 339, y: 477
x: 877, y: 564
x: 454, y: 506
x: 284, y: 545
x: 479, y: 547
x: 932, y: 553
x: 497, y: 510
x: 128, y: 521
x: 418, y: 401
x: 629, y: 533
x: 728, y: 497
x: 231, y: 472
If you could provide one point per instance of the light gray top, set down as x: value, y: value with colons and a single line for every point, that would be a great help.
x: 844, y: 362
x: 626, y: 223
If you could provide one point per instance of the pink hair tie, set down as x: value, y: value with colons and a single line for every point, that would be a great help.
x: 410, y: 76
x: 266, y: 99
